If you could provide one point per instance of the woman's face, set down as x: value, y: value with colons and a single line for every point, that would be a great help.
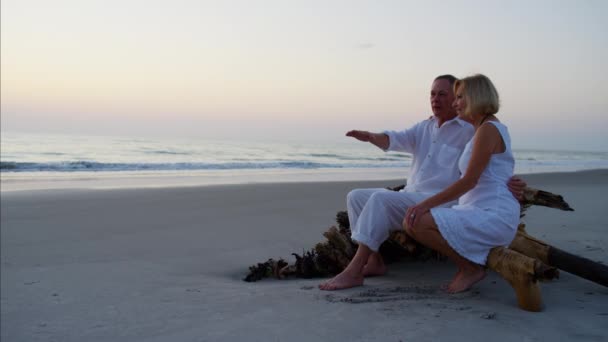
x: 460, y: 104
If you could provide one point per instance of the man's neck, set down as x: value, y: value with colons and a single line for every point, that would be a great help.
x: 442, y: 120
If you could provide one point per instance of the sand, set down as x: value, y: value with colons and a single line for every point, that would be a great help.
x: 166, y: 265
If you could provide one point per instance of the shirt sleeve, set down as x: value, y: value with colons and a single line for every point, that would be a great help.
x: 403, y: 141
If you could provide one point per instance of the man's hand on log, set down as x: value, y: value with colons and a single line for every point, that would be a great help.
x: 516, y: 186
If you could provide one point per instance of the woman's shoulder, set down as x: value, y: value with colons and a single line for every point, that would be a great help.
x: 494, y: 133
x: 489, y: 132
x: 495, y: 126
x: 491, y: 126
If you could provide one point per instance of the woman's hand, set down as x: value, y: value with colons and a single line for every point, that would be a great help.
x: 413, y: 214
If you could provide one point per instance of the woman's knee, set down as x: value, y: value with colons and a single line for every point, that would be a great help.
x: 410, y: 230
x: 425, y: 222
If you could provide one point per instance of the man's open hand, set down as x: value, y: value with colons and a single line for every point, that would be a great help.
x: 516, y: 186
x: 361, y: 135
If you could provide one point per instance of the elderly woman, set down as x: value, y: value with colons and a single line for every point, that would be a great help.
x: 486, y: 215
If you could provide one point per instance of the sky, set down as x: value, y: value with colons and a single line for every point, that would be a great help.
x: 308, y: 70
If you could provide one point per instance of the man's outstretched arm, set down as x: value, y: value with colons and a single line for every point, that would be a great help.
x: 381, y: 140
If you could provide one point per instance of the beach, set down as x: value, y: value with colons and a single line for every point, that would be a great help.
x: 166, y: 264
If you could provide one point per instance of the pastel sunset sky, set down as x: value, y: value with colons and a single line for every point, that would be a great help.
x: 310, y: 70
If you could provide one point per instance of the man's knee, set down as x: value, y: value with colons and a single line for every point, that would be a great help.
x: 352, y: 195
x: 381, y: 197
x: 357, y: 196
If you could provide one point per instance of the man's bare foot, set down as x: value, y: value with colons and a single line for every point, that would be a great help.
x: 465, y: 279
x: 375, y: 267
x: 343, y: 280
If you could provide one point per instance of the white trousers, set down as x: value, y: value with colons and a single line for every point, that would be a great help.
x: 374, y: 213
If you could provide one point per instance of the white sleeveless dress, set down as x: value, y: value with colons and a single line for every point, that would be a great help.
x: 487, y: 215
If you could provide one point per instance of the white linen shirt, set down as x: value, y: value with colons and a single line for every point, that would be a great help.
x: 435, y: 151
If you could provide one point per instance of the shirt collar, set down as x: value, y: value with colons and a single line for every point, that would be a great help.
x: 458, y: 120
x: 461, y: 122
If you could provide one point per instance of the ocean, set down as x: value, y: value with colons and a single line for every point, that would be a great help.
x: 48, y: 161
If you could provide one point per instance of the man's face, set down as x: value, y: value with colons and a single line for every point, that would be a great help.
x: 442, y: 97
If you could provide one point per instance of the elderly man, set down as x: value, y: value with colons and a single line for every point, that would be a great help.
x: 436, y: 145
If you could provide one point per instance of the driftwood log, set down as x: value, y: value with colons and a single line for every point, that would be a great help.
x: 525, y: 263
x: 537, y: 249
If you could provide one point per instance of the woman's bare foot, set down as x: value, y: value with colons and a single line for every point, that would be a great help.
x: 374, y: 271
x: 445, y: 287
x: 343, y: 280
x: 375, y: 266
x: 465, y: 279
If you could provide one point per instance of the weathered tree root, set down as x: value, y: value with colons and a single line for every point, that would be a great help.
x: 265, y: 270
x: 556, y: 257
x: 523, y: 273
x: 533, y: 196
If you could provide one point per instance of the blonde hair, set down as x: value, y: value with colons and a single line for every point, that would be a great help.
x: 480, y: 94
